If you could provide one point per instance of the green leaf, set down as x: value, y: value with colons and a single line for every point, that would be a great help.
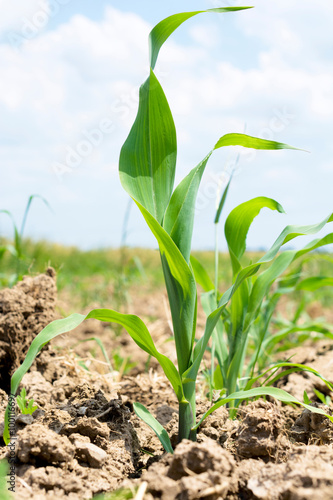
x: 191, y: 372
x: 236, y: 229
x: 161, y: 32
x: 201, y: 275
x: 31, y: 198
x: 270, y: 342
x: 306, y: 398
x: 179, y: 216
x: 141, y: 336
x: 312, y: 284
x: 326, y: 400
x: 248, y: 141
x: 274, y: 392
x: 222, y: 201
x: 208, y: 301
x: 134, y: 326
x: 181, y: 289
x: 239, y: 222
x: 147, y: 160
x: 160, y: 432
x: 292, y: 367
x: 265, y: 280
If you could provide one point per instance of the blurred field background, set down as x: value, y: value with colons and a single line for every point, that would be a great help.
x: 108, y: 277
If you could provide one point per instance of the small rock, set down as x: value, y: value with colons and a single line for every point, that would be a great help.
x: 24, y: 419
x: 90, y: 453
x: 82, y: 410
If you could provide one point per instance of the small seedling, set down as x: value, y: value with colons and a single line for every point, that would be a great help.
x: 26, y: 406
x: 17, y: 248
x: 326, y: 400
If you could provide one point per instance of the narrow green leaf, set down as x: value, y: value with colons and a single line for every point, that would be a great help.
x: 147, y: 160
x: 161, y: 32
x: 248, y: 141
x: 312, y: 284
x: 182, y: 291
x: 291, y: 368
x: 208, y: 301
x: 306, y: 398
x: 201, y: 275
x: 265, y: 280
x: 222, y: 201
x: 159, y: 430
x: 141, y: 336
x: 31, y: 198
x: 274, y: 392
x: 179, y: 216
x: 291, y: 232
x: 270, y: 342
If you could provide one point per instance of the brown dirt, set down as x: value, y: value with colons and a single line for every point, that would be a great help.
x: 24, y: 311
x: 85, y: 439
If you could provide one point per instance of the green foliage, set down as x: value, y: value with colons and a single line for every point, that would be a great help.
x: 16, y: 250
x: 326, y: 400
x: 122, y: 365
x: 160, y: 432
x: 147, y: 172
x: 26, y: 406
x: 244, y: 324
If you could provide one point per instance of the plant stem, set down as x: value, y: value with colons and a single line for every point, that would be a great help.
x: 187, y: 414
x: 216, y: 279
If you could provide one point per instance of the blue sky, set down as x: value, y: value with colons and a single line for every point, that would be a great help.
x: 70, y: 72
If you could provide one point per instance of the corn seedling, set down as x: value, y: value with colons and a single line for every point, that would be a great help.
x: 323, y: 398
x: 25, y: 405
x: 245, y: 324
x: 147, y: 168
x: 16, y: 250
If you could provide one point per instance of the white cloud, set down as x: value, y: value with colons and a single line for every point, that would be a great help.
x: 206, y: 35
x: 61, y: 86
x: 13, y: 15
x: 299, y: 31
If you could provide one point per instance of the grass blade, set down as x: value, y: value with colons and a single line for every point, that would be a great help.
x: 274, y: 392
x: 179, y: 216
x: 142, y: 412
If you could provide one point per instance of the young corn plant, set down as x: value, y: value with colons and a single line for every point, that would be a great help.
x: 147, y: 168
x: 245, y: 323
x: 272, y: 335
